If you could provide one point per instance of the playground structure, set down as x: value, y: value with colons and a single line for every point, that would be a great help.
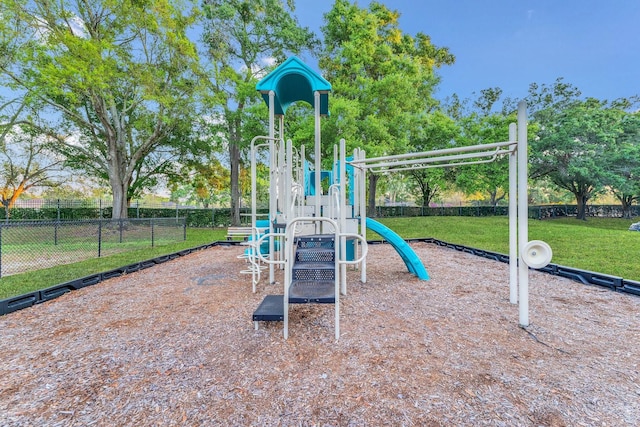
x: 313, y: 233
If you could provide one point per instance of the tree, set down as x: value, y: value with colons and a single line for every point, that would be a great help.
x: 244, y: 39
x: 25, y: 161
x: 492, y: 178
x: 436, y: 131
x: 623, y: 171
x: 575, y: 141
x: 204, y: 181
x: 116, y: 79
x: 383, y: 78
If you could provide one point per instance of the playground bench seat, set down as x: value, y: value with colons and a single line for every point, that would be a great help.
x: 241, y: 232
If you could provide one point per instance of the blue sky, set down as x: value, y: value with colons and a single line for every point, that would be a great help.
x: 592, y: 44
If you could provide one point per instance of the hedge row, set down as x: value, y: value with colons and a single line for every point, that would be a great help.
x: 221, y: 217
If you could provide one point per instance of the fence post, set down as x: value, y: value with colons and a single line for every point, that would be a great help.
x: 99, y: 238
x: 184, y: 228
x: 0, y: 250
x: 120, y: 222
x: 152, y: 236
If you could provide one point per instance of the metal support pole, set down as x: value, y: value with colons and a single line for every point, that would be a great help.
x: 317, y: 152
x: 363, y: 213
x: 343, y: 215
x: 272, y: 183
x: 288, y: 183
x: 513, y: 218
x: 523, y: 214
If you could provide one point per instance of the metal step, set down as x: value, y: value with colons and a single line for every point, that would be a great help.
x: 315, y: 291
x: 315, y: 255
x: 313, y: 271
x: 270, y: 309
x: 316, y: 241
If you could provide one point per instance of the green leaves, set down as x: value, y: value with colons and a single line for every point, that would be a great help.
x: 584, y: 146
x: 121, y: 76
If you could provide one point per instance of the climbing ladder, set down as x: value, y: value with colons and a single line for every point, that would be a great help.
x: 314, y: 270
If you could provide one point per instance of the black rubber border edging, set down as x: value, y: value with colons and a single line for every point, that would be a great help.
x: 9, y: 305
x: 30, y: 299
x: 614, y: 283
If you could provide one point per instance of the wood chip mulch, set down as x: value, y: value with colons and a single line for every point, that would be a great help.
x: 175, y: 345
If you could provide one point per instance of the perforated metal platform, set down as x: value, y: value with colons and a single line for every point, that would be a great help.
x: 316, y: 291
x: 315, y: 254
x: 313, y: 271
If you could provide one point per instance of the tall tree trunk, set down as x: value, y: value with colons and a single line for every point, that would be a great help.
x: 581, y: 200
x: 117, y: 161
x: 371, y: 206
x: 234, y: 157
x: 627, y: 201
x: 119, y: 192
x: 426, y: 195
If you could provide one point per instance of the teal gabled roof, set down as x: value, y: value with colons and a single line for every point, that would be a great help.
x: 294, y: 81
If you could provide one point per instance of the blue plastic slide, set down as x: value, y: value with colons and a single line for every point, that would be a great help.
x: 407, y: 254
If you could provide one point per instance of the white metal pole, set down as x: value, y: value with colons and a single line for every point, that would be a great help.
x: 272, y: 181
x: 317, y: 150
x: 443, y: 151
x: 513, y: 218
x: 363, y: 213
x: 282, y: 172
x: 303, y: 180
x: 254, y: 202
x: 288, y: 205
x: 523, y: 214
x: 282, y: 181
x: 343, y: 214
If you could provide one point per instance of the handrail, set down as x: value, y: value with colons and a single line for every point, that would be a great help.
x: 365, y: 248
x: 259, y: 242
x: 334, y: 204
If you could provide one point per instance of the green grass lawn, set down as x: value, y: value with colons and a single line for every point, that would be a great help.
x: 602, y: 245
x: 28, y: 282
x: 599, y: 244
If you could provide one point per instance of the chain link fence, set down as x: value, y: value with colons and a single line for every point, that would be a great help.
x: 535, y: 212
x: 33, y: 245
x: 74, y: 210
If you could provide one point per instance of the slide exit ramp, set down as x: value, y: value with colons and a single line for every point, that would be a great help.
x: 405, y: 251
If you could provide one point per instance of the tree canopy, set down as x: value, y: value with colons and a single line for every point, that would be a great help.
x: 578, y: 140
x: 381, y: 78
x: 244, y: 39
x: 115, y: 79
